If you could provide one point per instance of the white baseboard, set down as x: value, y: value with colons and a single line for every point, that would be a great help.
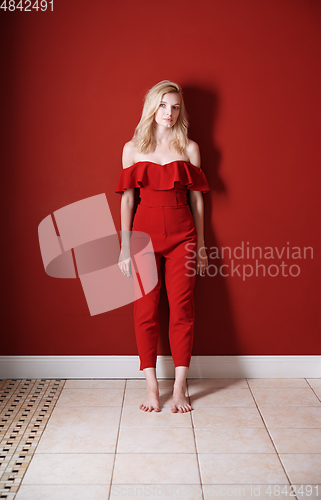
x: 82, y: 367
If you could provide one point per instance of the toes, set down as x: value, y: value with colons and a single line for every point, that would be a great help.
x: 184, y: 409
x: 148, y: 408
x: 181, y: 408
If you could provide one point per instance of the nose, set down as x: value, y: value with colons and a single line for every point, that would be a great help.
x: 169, y: 112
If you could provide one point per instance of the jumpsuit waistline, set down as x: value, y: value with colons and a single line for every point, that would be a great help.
x: 171, y: 198
x: 162, y: 206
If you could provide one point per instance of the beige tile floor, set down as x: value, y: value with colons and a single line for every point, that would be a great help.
x: 244, y: 438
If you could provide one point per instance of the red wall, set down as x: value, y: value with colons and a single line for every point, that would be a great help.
x: 73, y: 81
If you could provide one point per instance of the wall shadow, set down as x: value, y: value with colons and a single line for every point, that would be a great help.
x: 11, y: 252
x: 215, y: 330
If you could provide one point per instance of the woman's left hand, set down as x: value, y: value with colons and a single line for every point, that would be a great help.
x: 201, y: 260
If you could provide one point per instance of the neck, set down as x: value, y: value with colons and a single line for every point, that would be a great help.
x: 163, y: 135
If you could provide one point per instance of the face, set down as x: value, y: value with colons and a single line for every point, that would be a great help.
x: 168, y: 110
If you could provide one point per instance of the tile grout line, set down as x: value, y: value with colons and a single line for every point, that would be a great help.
x: 196, y: 452
x: 319, y: 398
x: 117, y: 439
x: 273, y: 444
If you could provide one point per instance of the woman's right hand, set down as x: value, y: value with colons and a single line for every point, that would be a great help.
x: 124, y: 261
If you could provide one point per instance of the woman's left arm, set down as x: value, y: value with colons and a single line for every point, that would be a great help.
x: 197, y: 208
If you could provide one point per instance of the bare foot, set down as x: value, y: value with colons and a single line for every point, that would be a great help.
x: 180, y: 401
x: 151, y: 402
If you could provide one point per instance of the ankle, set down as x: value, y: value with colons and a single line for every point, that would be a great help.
x: 152, y: 385
x: 179, y: 386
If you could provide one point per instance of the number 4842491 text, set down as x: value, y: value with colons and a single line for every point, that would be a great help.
x: 26, y: 5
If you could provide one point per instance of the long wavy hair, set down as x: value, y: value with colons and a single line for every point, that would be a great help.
x: 144, y: 136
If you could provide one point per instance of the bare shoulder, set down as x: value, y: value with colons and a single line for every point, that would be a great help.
x: 129, y: 154
x: 193, y: 152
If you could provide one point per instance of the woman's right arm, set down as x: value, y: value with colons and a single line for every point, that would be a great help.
x: 126, y: 213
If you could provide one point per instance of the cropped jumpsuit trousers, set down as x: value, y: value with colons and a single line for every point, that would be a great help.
x: 166, y: 217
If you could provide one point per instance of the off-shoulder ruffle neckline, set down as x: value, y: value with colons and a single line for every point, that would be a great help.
x: 162, y: 177
x: 160, y: 164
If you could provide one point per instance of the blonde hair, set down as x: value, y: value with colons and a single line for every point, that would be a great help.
x: 144, y: 136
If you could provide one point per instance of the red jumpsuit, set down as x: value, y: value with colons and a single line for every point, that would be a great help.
x: 163, y: 213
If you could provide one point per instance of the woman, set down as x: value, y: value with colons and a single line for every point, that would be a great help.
x: 163, y: 162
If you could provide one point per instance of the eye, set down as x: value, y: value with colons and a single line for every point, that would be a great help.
x: 175, y: 107
x: 161, y: 105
